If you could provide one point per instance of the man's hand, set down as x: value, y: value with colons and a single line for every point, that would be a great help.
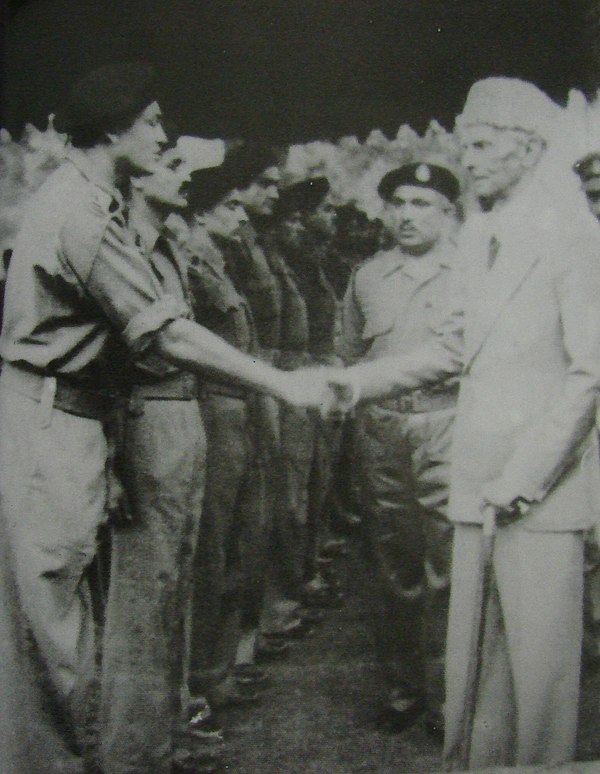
x: 325, y: 389
x: 507, y: 503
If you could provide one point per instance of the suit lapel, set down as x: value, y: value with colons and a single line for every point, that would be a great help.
x: 490, y: 290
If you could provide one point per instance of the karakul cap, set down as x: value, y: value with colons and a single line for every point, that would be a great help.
x: 509, y: 103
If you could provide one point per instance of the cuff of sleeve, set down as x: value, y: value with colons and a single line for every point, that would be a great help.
x: 145, y: 324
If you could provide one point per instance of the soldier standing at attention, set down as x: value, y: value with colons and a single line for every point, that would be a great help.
x: 403, y: 444
x: 227, y: 569
x: 163, y: 461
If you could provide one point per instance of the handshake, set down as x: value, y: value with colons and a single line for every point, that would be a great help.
x: 329, y: 389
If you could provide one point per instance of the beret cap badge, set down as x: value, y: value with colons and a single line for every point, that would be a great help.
x: 423, y: 173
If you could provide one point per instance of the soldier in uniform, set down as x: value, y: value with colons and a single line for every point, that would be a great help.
x: 78, y: 291
x: 259, y: 198
x: 286, y: 238
x: 310, y: 211
x: 526, y: 340
x: 403, y: 444
x: 162, y: 460
x: 227, y: 569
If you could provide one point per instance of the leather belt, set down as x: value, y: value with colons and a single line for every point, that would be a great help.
x: 419, y: 402
x: 223, y: 390
x: 180, y: 387
x: 58, y: 392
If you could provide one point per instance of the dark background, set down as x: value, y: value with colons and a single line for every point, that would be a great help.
x: 288, y: 70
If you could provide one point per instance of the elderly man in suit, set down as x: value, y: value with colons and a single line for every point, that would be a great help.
x: 526, y: 339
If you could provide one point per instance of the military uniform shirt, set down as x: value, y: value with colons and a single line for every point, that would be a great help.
x: 77, y: 286
x: 394, y: 302
x: 168, y: 266
x: 216, y: 303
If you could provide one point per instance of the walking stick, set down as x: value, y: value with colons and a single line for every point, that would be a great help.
x: 484, y: 587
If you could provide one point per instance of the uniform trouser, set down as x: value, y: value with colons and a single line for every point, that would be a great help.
x: 404, y: 468
x: 298, y: 432
x: 526, y: 706
x: 53, y: 491
x: 223, y: 567
x: 150, y: 585
x: 262, y: 495
x: 327, y: 441
x: 344, y: 489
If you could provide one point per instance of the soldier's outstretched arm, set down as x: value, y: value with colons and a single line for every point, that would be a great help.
x: 195, y: 348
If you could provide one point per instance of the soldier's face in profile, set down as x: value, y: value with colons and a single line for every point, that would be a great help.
x: 227, y: 217
x: 591, y: 189
x: 495, y: 159
x: 260, y: 196
x: 140, y: 145
x: 291, y: 232
x: 417, y: 217
x: 168, y: 184
x: 323, y: 220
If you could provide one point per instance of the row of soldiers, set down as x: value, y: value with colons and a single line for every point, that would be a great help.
x: 211, y: 493
x: 175, y: 313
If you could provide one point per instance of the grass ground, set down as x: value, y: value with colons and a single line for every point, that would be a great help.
x: 319, y: 715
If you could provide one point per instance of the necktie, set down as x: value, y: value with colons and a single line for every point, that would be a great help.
x: 493, y: 251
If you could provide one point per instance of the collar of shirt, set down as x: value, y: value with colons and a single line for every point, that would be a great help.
x: 145, y: 233
x: 421, y: 268
x: 81, y: 161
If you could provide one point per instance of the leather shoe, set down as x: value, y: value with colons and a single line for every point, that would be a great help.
x: 295, y: 631
x: 250, y: 674
x: 272, y: 650
x: 334, y: 547
x: 401, y: 713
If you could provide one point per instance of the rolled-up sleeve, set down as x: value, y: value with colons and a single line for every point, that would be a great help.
x: 120, y: 280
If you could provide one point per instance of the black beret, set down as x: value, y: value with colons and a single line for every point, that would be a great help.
x: 588, y: 167
x: 422, y: 174
x: 304, y: 196
x: 209, y: 186
x: 104, y: 96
